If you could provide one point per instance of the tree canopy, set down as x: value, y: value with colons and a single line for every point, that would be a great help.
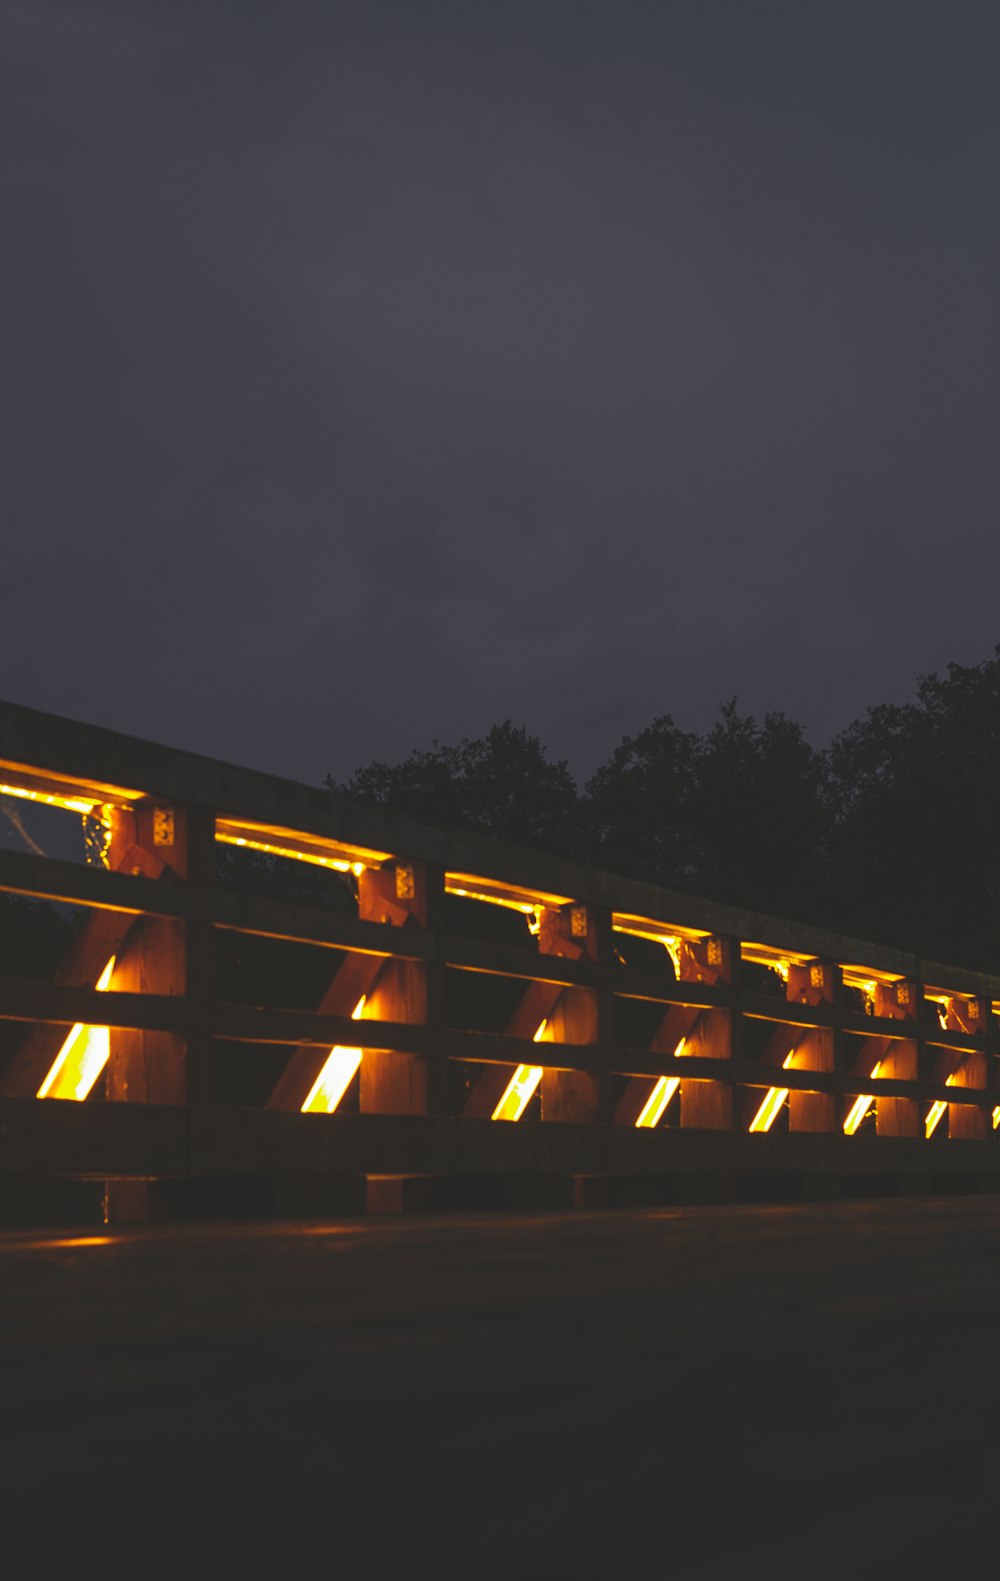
x: 502, y: 785
x: 892, y: 832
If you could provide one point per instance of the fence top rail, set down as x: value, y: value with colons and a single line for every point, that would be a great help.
x: 44, y: 744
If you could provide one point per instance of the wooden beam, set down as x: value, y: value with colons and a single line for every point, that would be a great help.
x: 49, y: 879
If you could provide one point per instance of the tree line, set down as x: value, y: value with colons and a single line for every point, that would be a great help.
x: 890, y: 833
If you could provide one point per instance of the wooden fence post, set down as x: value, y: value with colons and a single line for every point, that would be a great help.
x: 407, y: 991
x: 708, y: 1105
x: 162, y: 956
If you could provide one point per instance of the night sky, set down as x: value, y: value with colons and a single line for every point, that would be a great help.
x: 374, y: 373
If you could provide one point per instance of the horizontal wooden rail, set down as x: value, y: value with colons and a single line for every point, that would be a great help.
x: 420, y: 1031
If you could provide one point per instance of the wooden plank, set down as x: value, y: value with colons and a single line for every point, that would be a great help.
x: 963, y: 1042
x: 57, y: 1137
x: 508, y: 961
x: 105, y: 1140
x: 876, y: 1026
x: 761, y: 1008
x: 47, y: 878
x: 23, y: 1000
x: 629, y: 984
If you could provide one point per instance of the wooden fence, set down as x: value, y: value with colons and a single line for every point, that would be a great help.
x: 471, y: 1023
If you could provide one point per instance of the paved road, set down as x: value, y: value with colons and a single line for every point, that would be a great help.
x: 697, y: 1393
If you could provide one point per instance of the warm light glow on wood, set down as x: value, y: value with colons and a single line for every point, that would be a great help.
x: 82, y: 1057
x: 69, y: 803
x: 297, y: 845
x: 771, y: 1107
x: 671, y: 942
x: 475, y: 886
x: 937, y: 1109
x: 663, y: 1090
x: 861, y: 1105
x: 337, y: 1074
x: 657, y: 1102
x: 521, y: 1086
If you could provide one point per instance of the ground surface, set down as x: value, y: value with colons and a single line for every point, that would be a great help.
x: 807, y: 1391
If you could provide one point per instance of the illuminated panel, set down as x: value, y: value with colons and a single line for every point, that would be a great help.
x: 770, y: 1108
x: 521, y: 1086
x: 337, y: 1074
x: 663, y: 1090
x: 297, y: 846
x: 860, y: 1106
x: 82, y: 1057
x: 996, y: 1117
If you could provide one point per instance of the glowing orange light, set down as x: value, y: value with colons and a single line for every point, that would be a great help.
x: 70, y: 803
x: 527, y: 910
x: 936, y: 1110
x: 82, y: 1057
x: 663, y: 1090
x: 657, y: 1101
x: 337, y: 1074
x: 313, y: 858
x: 860, y: 1106
x: 770, y: 1108
x: 521, y: 1086
x: 73, y: 1240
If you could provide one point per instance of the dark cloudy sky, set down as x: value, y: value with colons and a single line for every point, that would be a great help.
x: 374, y: 372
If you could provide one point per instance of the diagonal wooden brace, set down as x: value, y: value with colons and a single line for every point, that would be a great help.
x: 103, y: 934
x: 356, y: 976
x: 679, y: 1022
x: 536, y: 1005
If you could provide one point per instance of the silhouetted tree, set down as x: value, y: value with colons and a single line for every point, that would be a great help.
x: 915, y: 812
x: 892, y: 833
x: 737, y: 814
x: 501, y: 784
x: 638, y: 805
x: 759, y: 817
